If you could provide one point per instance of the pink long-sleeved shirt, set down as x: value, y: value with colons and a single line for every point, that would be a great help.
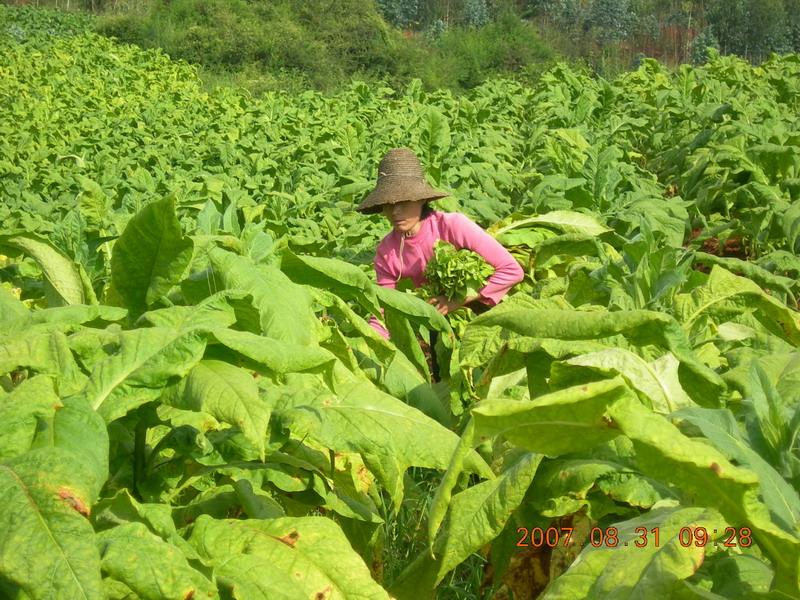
x: 398, y: 256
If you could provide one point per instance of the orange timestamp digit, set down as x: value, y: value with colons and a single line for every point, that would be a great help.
x: 538, y: 537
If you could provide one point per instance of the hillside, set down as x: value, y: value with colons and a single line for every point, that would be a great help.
x: 323, y: 45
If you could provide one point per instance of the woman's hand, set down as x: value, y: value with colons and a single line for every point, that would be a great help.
x: 444, y: 306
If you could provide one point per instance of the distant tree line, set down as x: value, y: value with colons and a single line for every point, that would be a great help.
x: 673, y: 30
x: 678, y: 30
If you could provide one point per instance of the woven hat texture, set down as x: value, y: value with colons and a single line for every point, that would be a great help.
x: 400, y: 179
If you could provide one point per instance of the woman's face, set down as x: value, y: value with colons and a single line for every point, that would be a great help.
x: 404, y: 216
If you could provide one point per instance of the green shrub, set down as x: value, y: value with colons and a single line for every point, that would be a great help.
x: 508, y: 46
x: 325, y: 41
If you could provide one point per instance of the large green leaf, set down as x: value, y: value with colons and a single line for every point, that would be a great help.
x: 749, y: 270
x: 78, y: 429
x: 566, y: 421
x: 123, y: 508
x: 150, y: 256
x: 12, y: 310
x: 648, y: 570
x: 485, y: 336
x: 341, y: 278
x: 147, y: 360
x: 434, y: 140
x: 562, y: 485
x: 390, y: 435
x: 277, y: 356
x: 566, y: 221
x: 61, y: 274
x: 656, y: 382
x: 725, y: 296
x: 64, y: 318
x: 43, y: 353
x: 413, y: 308
x: 35, y: 417
x: 400, y: 377
x: 47, y: 546
x: 403, y: 336
x: 720, y: 428
x: 283, y: 559
x: 568, y: 245
x: 30, y: 403
x: 284, y: 307
x: 707, y: 478
x: 151, y: 567
x: 209, y: 314
x: 782, y: 370
x: 227, y: 393
x: 562, y: 422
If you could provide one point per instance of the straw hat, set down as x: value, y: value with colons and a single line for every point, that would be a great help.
x: 400, y: 179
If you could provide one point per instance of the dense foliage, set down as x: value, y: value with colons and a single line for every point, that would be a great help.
x: 319, y: 44
x: 668, y: 28
x: 195, y: 406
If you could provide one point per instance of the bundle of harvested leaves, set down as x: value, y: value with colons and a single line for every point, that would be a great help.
x: 457, y: 274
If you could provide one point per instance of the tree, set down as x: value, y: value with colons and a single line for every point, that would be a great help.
x: 792, y: 10
x: 476, y: 13
x: 612, y: 20
x: 701, y: 45
x: 400, y: 13
x: 750, y: 28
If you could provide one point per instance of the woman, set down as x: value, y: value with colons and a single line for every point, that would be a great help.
x: 402, y: 195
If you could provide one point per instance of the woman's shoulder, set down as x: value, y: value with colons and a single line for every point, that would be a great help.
x: 449, y: 221
x: 447, y: 218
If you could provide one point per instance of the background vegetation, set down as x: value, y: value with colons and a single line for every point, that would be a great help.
x: 320, y: 44
x: 454, y: 44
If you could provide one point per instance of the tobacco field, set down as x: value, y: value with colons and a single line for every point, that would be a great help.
x: 193, y: 405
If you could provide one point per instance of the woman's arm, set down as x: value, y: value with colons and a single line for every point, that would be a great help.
x: 464, y: 233
x: 384, y: 279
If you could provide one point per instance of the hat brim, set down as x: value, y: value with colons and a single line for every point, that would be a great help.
x: 392, y: 192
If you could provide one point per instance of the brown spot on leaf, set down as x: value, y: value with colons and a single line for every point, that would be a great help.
x: 376, y: 568
x: 609, y: 422
x: 189, y: 595
x: 363, y: 477
x: 584, y: 388
x: 290, y: 539
x: 716, y: 468
x: 326, y: 593
x: 58, y: 406
x: 75, y: 502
